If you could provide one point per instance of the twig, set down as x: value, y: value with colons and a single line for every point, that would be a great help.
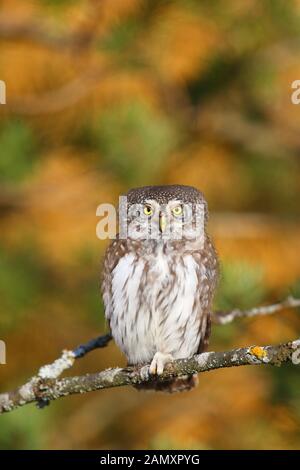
x: 96, y: 343
x: 222, y: 318
x: 67, y: 360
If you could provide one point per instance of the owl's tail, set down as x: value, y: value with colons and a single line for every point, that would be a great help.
x: 173, y: 385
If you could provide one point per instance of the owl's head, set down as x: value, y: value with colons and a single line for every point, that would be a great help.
x: 164, y: 212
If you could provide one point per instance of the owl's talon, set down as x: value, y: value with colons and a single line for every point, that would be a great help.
x: 158, y: 363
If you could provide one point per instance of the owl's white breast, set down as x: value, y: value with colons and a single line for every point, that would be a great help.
x: 152, y: 307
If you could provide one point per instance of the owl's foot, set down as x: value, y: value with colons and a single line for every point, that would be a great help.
x: 158, y: 363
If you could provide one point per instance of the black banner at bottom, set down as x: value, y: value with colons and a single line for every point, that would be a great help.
x: 133, y: 459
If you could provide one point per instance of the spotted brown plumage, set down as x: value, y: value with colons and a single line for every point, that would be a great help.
x: 158, y: 291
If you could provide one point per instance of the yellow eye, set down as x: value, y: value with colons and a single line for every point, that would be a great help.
x: 148, y: 210
x: 177, y: 211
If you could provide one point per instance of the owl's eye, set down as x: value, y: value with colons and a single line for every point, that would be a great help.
x: 177, y: 211
x: 148, y: 210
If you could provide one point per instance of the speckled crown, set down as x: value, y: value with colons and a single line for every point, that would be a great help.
x: 164, y: 194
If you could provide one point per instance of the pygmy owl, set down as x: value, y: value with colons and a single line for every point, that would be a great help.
x: 159, y: 279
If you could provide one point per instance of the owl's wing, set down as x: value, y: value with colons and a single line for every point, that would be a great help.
x: 209, y: 260
x: 113, y: 254
x: 205, y: 331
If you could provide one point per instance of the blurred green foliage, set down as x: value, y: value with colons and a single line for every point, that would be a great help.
x: 18, y: 145
x: 24, y: 430
x: 134, y: 141
x: 21, y: 281
x: 241, y: 286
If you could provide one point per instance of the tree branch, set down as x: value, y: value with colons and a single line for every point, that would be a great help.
x: 222, y: 318
x: 47, y: 385
x: 96, y: 343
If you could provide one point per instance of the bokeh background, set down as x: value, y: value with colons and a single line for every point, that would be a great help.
x: 103, y: 95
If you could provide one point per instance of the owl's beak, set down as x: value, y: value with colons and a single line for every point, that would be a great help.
x: 162, y: 222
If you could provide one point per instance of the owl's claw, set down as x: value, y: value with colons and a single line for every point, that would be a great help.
x: 158, y: 363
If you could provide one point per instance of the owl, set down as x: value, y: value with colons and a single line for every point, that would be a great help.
x: 159, y: 280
